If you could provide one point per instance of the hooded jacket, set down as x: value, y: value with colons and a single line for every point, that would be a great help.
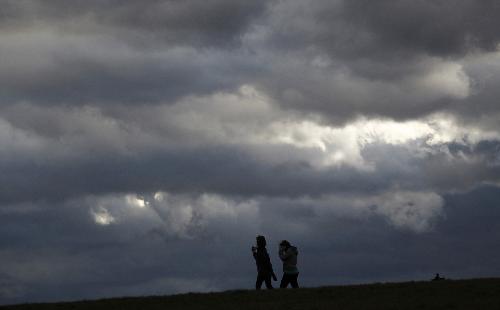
x: 289, y: 257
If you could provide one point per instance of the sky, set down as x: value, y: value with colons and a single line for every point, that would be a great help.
x: 145, y: 144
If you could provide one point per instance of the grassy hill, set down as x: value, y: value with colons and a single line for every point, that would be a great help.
x: 462, y: 294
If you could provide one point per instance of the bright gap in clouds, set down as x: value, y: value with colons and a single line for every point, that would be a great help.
x: 136, y: 201
x: 248, y: 118
x: 337, y: 146
x: 102, y: 216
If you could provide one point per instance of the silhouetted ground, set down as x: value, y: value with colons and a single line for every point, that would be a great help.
x: 475, y: 294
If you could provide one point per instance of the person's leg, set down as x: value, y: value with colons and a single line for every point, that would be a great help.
x: 284, y: 281
x: 258, y: 282
x: 293, y: 280
x: 269, y: 285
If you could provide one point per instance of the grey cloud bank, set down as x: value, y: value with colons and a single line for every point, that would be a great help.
x: 144, y: 145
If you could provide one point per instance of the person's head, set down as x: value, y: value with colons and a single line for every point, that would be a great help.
x: 285, y: 244
x: 261, y: 241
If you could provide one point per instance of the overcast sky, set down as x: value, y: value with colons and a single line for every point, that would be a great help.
x: 144, y: 144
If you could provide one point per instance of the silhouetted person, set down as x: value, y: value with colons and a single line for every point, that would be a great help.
x: 264, y: 266
x: 437, y: 278
x: 288, y: 254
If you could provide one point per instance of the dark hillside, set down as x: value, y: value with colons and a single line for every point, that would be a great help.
x: 462, y: 294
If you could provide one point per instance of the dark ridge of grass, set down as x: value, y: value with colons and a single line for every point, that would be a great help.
x: 480, y: 294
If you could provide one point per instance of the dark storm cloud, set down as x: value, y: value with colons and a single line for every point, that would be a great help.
x: 115, y: 51
x: 339, y: 59
x: 391, y: 29
x: 192, y: 22
x: 350, y: 58
x: 441, y: 28
x: 69, y: 73
x: 220, y: 170
x: 234, y: 171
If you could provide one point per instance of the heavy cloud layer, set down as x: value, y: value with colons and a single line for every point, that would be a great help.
x: 143, y: 145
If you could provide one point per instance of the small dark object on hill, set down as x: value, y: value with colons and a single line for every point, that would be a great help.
x: 438, y: 278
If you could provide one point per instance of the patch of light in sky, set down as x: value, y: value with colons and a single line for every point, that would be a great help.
x: 343, y: 145
x: 102, y: 216
x: 159, y: 196
x: 134, y: 200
